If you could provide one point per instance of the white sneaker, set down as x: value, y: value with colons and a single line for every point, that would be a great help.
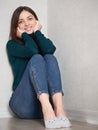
x: 64, y: 122
x: 52, y: 123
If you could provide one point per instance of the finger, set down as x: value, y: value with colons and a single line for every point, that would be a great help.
x: 21, y: 31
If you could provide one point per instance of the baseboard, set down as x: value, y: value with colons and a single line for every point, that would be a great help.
x: 5, y: 114
x: 83, y: 115
x: 77, y: 115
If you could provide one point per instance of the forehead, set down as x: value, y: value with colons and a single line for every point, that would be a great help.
x: 24, y: 14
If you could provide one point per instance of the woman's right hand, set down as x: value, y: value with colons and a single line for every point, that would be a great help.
x: 19, y: 32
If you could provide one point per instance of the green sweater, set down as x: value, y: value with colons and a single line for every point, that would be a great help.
x: 19, y: 54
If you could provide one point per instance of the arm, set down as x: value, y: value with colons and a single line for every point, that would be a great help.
x: 23, y: 51
x: 45, y: 45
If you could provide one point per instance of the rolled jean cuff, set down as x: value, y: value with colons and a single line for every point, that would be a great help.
x: 41, y: 92
x: 57, y: 91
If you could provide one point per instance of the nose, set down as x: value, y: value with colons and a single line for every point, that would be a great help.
x: 26, y: 23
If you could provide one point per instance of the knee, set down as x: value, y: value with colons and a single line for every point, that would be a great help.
x: 36, y: 59
x: 50, y: 57
x: 36, y: 56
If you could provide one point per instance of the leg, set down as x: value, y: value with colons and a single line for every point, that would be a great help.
x: 55, y: 87
x: 38, y: 77
x: 58, y: 105
x: 53, y: 75
x: 24, y: 102
x: 47, y: 109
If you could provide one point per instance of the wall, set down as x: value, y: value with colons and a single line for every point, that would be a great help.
x: 73, y: 26
x: 6, y: 10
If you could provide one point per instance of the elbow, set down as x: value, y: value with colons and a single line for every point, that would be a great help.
x: 50, y: 51
x: 53, y: 50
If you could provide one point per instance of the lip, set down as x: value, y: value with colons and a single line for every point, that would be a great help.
x: 28, y: 29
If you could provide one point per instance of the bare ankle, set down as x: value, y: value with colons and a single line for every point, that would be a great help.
x: 60, y: 112
x: 48, y: 113
x: 47, y: 109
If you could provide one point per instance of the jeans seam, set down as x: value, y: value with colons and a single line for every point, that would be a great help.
x: 35, y: 83
x: 38, y: 92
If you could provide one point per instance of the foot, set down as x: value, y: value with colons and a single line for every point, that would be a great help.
x: 50, y: 119
x: 52, y: 123
x: 48, y: 112
x: 64, y: 122
x: 62, y: 118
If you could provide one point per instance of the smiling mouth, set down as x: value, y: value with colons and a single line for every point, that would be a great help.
x: 28, y: 29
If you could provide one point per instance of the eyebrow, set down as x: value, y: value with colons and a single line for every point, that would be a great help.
x: 27, y: 17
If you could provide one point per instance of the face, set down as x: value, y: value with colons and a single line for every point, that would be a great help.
x: 26, y: 22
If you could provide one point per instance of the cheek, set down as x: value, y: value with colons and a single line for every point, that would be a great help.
x: 34, y: 24
x: 21, y: 26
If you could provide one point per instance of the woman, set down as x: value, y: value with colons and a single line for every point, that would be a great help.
x: 37, y: 89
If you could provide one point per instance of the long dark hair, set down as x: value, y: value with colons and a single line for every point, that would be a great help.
x: 14, y: 21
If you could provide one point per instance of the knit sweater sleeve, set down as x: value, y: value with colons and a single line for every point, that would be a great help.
x: 45, y: 44
x: 22, y: 50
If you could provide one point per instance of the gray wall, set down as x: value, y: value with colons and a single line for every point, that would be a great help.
x: 73, y: 26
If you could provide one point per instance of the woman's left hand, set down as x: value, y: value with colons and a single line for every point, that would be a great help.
x: 38, y: 26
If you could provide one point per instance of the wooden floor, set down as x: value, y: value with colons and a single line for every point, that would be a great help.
x: 18, y: 124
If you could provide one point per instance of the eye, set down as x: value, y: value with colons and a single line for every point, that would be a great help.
x: 30, y: 18
x: 20, y: 22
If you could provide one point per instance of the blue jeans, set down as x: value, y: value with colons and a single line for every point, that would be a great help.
x: 42, y: 75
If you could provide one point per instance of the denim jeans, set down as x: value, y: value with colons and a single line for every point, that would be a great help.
x: 42, y: 75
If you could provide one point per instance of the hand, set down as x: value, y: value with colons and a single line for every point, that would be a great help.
x: 38, y: 26
x: 19, y: 32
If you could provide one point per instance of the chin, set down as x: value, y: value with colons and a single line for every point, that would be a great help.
x: 29, y: 32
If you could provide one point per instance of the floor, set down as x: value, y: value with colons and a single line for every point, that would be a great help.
x: 18, y: 124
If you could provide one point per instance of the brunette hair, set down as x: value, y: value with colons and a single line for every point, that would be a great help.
x: 15, y: 18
